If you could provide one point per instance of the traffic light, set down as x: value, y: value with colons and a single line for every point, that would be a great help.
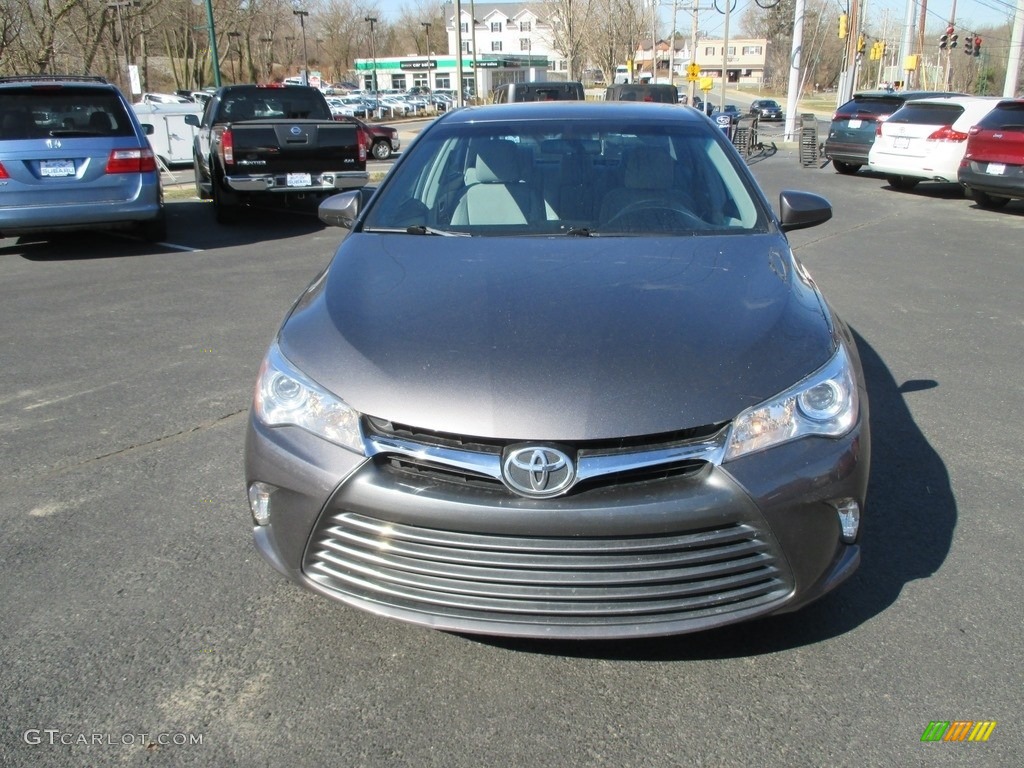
x: 876, y: 51
x: 969, y: 45
x: 945, y: 38
x: 952, y: 40
x: 977, y: 46
x: 844, y: 21
x: 860, y: 44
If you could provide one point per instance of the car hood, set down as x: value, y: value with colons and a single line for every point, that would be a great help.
x: 559, y: 338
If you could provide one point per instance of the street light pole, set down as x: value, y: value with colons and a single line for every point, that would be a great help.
x: 373, y: 55
x: 426, y: 26
x: 305, y: 59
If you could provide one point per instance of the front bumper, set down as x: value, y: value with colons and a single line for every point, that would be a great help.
x: 687, y: 548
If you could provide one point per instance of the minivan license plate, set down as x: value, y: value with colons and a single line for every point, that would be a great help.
x: 57, y: 168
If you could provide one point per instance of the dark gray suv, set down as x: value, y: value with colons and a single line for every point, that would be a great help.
x: 74, y: 156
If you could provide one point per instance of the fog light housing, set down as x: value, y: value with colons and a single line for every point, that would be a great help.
x: 849, y: 518
x: 259, y: 502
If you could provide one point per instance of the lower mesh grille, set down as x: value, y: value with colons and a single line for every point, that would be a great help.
x: 557, y: 580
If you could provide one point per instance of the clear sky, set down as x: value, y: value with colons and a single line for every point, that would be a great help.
x: 972, y: 13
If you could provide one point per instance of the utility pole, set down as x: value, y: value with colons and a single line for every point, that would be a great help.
x: 459, y: 101
x: 305, y: 59
x: 672, y: 44
x: 373, y: 55
x: 693, y: 52
x: 426, y: 26
x: 725, y: 54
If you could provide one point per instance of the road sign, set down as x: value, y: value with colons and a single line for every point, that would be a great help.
x: 706, y: 84
x: 693, y: 73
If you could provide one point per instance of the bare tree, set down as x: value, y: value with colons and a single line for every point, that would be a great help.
x: 616, y: 31
x: 569, y: 20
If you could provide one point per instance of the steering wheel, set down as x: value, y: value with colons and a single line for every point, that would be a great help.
x: 649, y: 215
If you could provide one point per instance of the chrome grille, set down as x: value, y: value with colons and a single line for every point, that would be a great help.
x: 543, y: 579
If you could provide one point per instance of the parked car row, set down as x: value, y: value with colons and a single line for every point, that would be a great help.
x: 976, y: 141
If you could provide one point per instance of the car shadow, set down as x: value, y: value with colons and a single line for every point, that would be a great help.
x: 908, y: 530
x: 191, y: 226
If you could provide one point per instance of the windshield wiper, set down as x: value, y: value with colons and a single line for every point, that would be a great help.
x: 579, y: 232
x: 422, y: 230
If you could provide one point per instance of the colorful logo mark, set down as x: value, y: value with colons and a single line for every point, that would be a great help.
x: 958, y: 730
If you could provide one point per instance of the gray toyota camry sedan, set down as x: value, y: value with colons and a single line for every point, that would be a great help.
x: 564, y: 378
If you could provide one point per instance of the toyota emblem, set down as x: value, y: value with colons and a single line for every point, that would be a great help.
x: 538, y: 472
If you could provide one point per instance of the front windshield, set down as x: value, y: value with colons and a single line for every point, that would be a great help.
x: 583, y: 177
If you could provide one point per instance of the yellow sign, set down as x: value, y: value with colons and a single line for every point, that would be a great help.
x: 693, y: 73
x: 910, y: 62
x: 706, y: 84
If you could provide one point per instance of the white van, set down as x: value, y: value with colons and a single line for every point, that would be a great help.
x: 621, y: 75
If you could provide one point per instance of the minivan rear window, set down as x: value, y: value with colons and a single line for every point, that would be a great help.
x: 53, y: 111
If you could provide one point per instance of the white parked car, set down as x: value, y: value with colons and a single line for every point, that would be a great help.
x: 925, y: 140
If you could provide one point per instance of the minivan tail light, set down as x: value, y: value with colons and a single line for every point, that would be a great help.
x: 133, y: 160
x: 3, y: 172
x: 227, y: 148
x: 946, y: 133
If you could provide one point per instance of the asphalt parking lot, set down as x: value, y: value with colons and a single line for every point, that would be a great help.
x: 140, y: 627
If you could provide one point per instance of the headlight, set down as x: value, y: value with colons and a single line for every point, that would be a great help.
x: 825, y: 403
x: 286, y: 397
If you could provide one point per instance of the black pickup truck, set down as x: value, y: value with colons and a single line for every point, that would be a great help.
x: 266, y: 142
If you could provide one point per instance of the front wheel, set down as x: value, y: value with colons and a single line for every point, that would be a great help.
x: 225, y: 202
x: 200, y: 192
x: 382, y: 149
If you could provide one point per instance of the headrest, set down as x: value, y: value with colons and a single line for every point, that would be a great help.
x: 649, y: 168
x: 497, y: 161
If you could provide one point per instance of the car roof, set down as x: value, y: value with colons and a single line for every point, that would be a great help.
x: 961, y: 100
x: 579, y: 110
x: 64, y: 81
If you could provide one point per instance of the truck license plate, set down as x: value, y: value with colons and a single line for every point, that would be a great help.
x: 299, y: 180
x: 56, y: 167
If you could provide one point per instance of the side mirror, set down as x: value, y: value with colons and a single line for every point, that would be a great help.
x: 148, y: 129
x: 802, y: 209
x: 342, y: 210
x: 192, y: 119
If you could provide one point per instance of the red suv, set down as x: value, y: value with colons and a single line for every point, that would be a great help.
x: 992, y: 171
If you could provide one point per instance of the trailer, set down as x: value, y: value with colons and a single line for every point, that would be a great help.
x: 172, y: 138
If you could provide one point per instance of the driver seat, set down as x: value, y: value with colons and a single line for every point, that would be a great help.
x: 649, y: 175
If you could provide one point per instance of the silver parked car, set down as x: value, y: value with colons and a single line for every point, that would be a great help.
x: 564, y: 378
x: 73, y: 156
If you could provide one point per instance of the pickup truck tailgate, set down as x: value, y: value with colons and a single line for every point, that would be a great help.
x: 311, y: 146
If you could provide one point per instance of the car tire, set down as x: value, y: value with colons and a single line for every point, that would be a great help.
x: 985, y: 200
x: 200, y: 192
x: 225, y: 203
x: 382, y: 149
x: 905, y: 183
x: 847, y: 169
